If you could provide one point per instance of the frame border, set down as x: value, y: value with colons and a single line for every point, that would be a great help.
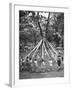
x: 12, y: 77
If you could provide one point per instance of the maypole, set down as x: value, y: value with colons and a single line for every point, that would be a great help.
x: 47, y: 51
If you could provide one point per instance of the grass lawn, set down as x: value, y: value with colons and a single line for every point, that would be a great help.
x: 28, y: 75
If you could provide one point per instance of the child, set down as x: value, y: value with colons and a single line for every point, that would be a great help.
x: 59, y: 63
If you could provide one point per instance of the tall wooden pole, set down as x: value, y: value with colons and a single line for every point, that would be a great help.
x: 47, y: 24
x: 39, y: 25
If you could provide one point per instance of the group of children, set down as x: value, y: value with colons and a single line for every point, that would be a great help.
x: 30, y: 64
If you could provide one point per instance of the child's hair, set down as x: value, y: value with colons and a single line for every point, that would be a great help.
x: 35, y: 59
x: 42, y: 59
x: 30, y: 58
x: 27, y: 57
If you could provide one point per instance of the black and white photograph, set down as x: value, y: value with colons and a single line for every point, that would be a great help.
x: 41, y: 44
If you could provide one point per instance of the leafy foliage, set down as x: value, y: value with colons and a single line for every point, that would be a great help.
x: 29, y: 28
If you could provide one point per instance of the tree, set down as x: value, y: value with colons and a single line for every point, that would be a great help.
x: 58, y: 25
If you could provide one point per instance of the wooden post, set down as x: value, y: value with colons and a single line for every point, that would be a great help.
x: 47, y: 23
x: 39, y: 25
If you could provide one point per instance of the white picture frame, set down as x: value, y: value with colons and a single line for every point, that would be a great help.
x: 14, y: 45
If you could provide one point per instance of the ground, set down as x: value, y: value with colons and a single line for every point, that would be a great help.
x: 28, y: 75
